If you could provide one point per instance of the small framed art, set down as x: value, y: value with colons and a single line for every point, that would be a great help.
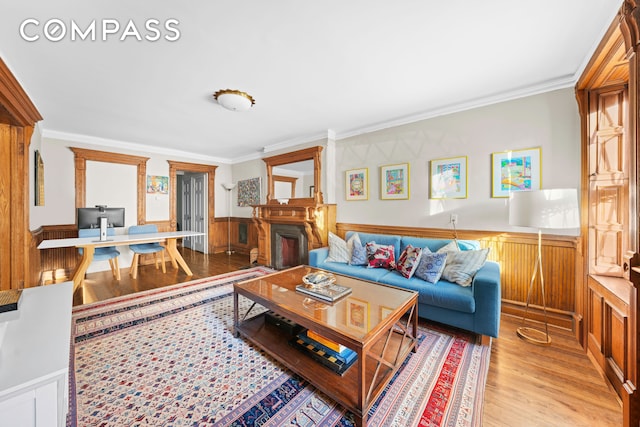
x: 394, y: 182
x: 448, y: 178
x: 358, y: 314
x: 357, y: 184
x: 517, y: 170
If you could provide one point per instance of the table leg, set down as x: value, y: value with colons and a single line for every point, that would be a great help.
x: 175, y: 256
x: 81, y: 269
x: 236, y: 333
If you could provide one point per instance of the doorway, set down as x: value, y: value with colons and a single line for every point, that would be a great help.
x: 192, y: 207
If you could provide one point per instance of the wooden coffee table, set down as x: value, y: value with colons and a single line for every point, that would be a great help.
x: 378, y: 322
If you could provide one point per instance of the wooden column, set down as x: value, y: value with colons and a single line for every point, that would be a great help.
x: 18, y: 117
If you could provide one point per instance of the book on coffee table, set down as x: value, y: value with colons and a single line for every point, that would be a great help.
x: 328, y: 293
x: 338, y: 362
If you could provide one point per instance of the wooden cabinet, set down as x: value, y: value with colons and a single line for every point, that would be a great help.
x: 34, y: 358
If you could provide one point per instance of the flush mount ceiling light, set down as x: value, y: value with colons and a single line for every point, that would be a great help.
x: 234, y: 100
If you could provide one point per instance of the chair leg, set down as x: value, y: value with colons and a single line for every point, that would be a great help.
x: 117, y: 264
x: 164, y: 268
x: 133, y: 271
x: 155, y: 259
x: 113, y: 268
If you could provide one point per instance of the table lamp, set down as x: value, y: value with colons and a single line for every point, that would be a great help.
x: 554, y: 209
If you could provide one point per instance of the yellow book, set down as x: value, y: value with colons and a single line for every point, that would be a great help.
x: 326, y: 342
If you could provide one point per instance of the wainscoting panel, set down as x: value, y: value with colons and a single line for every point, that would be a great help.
x: 516, y: 253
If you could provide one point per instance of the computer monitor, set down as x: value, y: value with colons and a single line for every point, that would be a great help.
x: 90, y: 217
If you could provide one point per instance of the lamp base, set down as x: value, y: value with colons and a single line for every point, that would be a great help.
x: 533, y: 335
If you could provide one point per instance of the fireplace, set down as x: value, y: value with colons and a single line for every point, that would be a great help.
x: 288, y: 246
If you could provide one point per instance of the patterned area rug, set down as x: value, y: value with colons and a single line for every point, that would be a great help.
x: 168, y: 357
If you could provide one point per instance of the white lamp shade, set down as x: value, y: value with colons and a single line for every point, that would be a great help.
x: 554, y: 208
x: 229, y: 186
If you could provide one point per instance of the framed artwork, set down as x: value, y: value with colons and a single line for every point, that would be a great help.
x: 249, y: 192
x: 357, y: 184
x: 385, y: 311
x: 448, y: 178
x: 157, y: 184
x: 358, y: 314
x: 518, y: 170
x: 312, y: 190
x: 394, y: 182
x: 39, y: 179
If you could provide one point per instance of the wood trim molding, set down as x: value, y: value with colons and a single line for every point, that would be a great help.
x: 15, y: 100
x: 312, y: 153
x: 81, y: 157
x: 210, y: 170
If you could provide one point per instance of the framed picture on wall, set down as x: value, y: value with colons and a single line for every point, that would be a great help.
x: 357, y: 184
x: 517, y: 170
x: 394, y: 182
x: 448, y: 178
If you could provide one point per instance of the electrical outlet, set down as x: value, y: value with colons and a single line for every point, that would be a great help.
x: 454, y: 219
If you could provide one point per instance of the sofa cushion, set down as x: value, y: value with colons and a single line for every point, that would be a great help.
x: 431, y: 266
x: 435, y: 244
x: 338, y: 251
x: 442, y: 294
x: 408, y: 261
x: 380, y: 256
x: 373, y: 274
x: 461, y: 266
x: 381, y: 239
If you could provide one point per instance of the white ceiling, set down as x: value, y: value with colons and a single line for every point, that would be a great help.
x: 313, y: 67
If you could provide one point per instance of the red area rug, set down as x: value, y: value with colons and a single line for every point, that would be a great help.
x: 168, y: 357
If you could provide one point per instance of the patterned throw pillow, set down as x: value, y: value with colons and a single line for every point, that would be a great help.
x: 380, y: 256
x: 338, y: 251
x: 431, y: 266
x: 408, y: 261
x: 463, y: 265
x: 358, y: 252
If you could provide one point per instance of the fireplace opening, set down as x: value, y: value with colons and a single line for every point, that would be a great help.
x: 288, y: 246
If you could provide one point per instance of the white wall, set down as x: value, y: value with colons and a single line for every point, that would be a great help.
x: 548, y: 120
x: 107, y: 183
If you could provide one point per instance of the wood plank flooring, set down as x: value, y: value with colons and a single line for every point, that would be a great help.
x: 527, y: 385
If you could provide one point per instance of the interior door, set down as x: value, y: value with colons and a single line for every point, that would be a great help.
x: 608, y: 181
x: 199, y: 212
x: 186, y: 209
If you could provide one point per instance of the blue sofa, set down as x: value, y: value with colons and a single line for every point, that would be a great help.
x: 475, y: 308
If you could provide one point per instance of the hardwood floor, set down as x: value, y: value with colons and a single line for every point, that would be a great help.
x: 527, y: 385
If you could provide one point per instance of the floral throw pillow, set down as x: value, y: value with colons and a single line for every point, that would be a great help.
x: 380, y: 256
x: 408, y: 261
x: 431, y: 266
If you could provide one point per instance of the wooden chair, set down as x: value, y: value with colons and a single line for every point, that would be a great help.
x: 145, y: 248
x: 109, y: 253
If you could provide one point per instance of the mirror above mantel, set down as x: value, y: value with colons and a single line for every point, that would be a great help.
x: 295, y: 176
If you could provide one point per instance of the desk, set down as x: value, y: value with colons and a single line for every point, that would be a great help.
x: 90, y: 243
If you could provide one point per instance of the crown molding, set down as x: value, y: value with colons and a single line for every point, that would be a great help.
x: 112, y: 143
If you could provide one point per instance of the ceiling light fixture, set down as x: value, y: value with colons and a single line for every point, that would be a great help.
x: 234, y: 100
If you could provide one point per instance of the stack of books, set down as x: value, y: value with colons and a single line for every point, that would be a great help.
x: 328, y: 293
x: 336, y: 357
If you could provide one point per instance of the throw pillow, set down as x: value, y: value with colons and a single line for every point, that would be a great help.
x: 338, y: 251
x: 408, y: 261
x: 463, y: 265
x: 451, y: 246
x: 358, y: 253
x: 380, y: 256
x: 431, y: 266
